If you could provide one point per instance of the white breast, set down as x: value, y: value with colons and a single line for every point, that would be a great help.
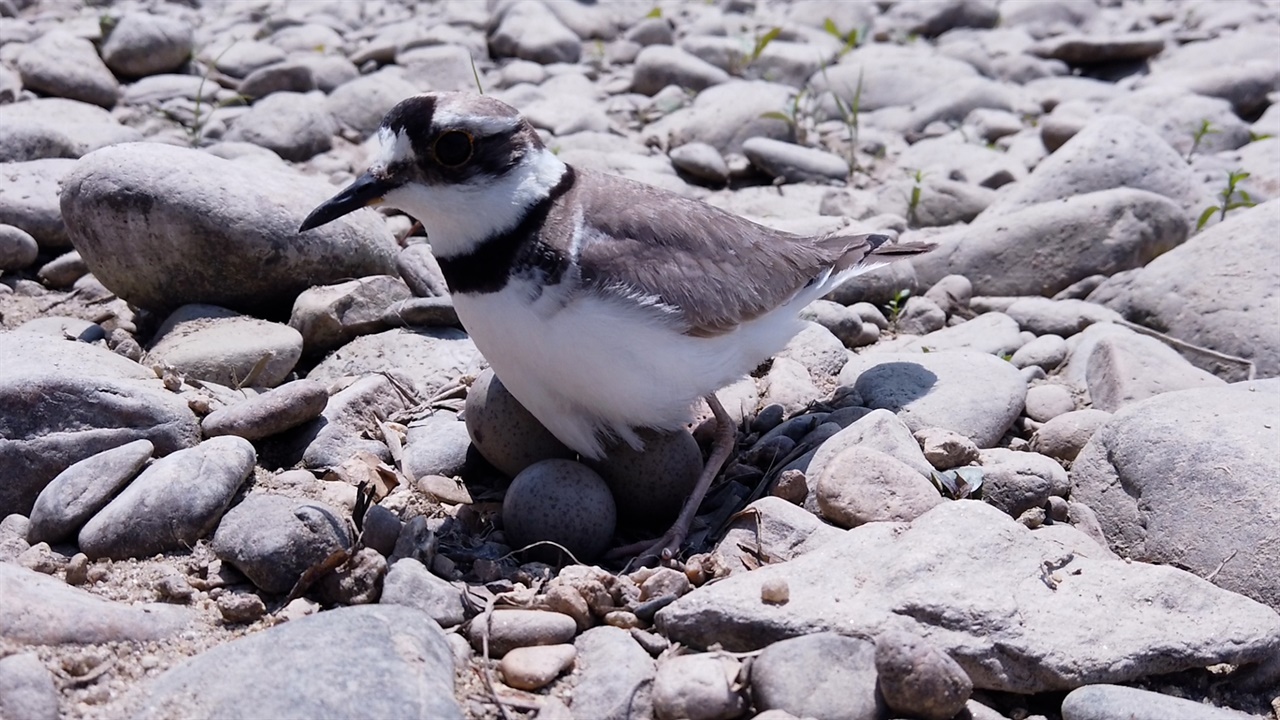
x: 593, y: 367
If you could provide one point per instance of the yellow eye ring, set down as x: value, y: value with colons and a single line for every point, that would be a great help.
x: 453, y: 148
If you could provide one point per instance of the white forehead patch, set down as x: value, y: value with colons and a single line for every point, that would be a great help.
x: 393, y: 147
x: 482, y: 124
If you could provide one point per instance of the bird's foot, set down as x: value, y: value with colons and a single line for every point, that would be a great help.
x: 647, y: 553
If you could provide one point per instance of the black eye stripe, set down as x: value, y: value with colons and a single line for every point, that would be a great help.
x: 453, y: 148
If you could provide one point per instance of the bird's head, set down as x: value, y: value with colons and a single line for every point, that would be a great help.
x: 464, y: 165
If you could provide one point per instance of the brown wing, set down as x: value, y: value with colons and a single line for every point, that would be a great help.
x: 711, y: 269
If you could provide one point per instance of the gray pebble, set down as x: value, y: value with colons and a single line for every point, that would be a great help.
x: 510, y: 629
x: 62, y: 271
x: 274, y: 539
x: 27, y: 690
x: 18, y: 249
x: 919, y: 680
x: 698, y: 687
x: 1046, y: 402
x: 410, y: 583
x: 173, y: 503
x: 504, y: 432
x: 83, y: 489
x: 562, y: 502
x: 818, y: 675
x: 381, y: 529
x: 1064, y: 436
x: 270, y: 413
x: 394, y: 663
x: 356, y: 582
x: 615, y: 676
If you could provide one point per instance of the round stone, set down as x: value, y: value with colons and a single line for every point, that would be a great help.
x: 505, y: 433
x: 563, y: 502
x: 650, y: 485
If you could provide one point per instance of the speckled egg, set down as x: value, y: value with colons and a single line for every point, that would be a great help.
x: 651, y: 485
x: 563, y: 501
x: 505, y: 433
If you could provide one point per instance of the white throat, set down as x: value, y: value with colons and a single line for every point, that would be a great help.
x: 459, y: 217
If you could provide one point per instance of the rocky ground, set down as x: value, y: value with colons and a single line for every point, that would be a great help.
x: 1031, y: 474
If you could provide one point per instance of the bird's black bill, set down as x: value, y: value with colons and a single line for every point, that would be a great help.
x: 365, y: 191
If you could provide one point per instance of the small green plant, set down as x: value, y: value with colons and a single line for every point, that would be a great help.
x: 762, y: 42
x: 896, y: 304
x: 475, y: 74
x: 1199, y: 134
x: 849, y: 112
x: 1255, y: 137
x: 656, y: 12
x: 850, y: 39
x: 200, y: 118
x: 913, y: 202
x: 794, y: 115
x: 1231, y: 199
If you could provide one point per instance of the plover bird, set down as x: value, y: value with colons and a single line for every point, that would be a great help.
x: 603, y: 304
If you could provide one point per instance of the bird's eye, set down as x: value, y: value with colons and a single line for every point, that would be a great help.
x: 452, y: 148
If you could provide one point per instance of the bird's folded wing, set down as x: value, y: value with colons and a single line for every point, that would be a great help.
x: 711, y: 270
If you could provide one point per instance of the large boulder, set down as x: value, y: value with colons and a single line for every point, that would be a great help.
x: 1019, y: 611
x: 62, y: 401
x: 163, y: 226
x: 1220, y: 290
x: 1163, y: 470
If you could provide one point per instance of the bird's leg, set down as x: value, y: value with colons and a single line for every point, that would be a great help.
x: 665, y: 547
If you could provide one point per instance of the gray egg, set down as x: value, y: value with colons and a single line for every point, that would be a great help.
x: 564, y: 502
x: 505, y: 433
x: 651, y: 485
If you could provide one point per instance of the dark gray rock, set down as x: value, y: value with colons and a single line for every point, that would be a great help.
x: 83, y: 489
x: 273, y: 539
x: 62, y: 401
x: 394, y: 662
x: 1211, y: 441
x: 185, y: 214
x: 288, y: 76
x: 36, y: 609
x: 178, y: 500
x: 1020, y: 614
x: 1019, y: 481
x: 821, y: 675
